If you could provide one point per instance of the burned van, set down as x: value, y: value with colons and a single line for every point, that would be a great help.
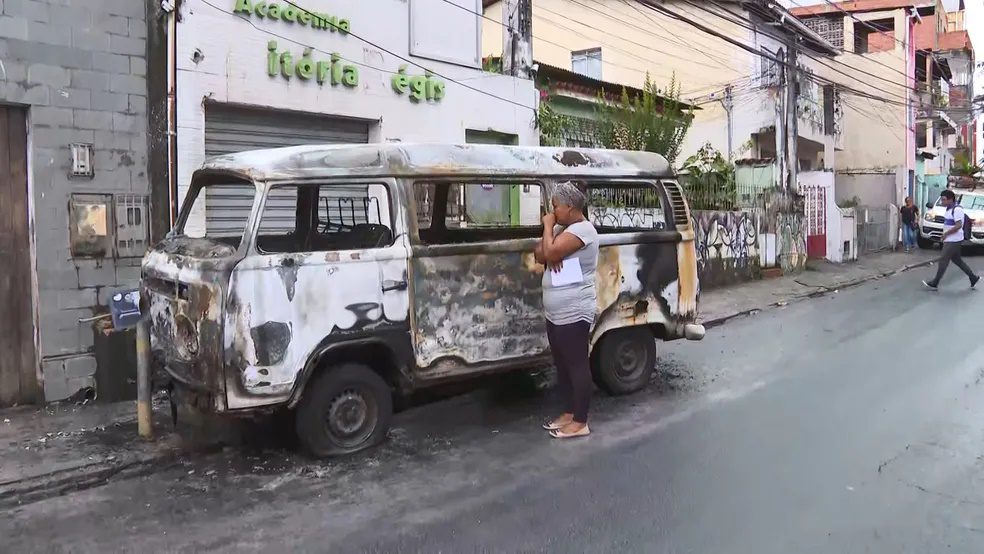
x: 331, y: 280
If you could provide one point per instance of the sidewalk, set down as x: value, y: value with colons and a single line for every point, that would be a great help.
x: 47, y: 451
x: 719, y: 305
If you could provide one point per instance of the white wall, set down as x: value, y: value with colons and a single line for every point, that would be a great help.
x: 232, y: 68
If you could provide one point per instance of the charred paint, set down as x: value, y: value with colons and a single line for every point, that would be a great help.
x: 270, y: 342
x: 477, y: 307
x: 657, y: 269
x: 572, y: 158
x: 689, y: 285
x: 288, y: 274
x: 196, y: 248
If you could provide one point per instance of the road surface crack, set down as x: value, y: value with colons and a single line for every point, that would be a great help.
x: 882, y: 465
x: 948, y: 496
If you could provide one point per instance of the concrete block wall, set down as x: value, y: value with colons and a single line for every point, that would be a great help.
x: 81, y: 71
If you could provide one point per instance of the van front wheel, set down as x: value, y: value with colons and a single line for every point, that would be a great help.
x: 346, y: 409
x: 625, y: 361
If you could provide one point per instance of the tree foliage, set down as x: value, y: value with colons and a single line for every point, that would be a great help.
x: 655, y: 121
x: 710, y: 180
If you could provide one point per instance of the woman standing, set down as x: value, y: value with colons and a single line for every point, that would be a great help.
x: 569, y: 249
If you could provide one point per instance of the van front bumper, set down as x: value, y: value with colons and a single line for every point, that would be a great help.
x: 694, y: 331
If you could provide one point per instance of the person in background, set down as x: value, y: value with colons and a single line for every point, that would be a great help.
x: 910, y: 224
x: 953, y: 235
x: 569, y: 304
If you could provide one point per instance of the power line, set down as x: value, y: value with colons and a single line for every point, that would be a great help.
x: 750, y: 26
x: 658, y: 51
x: 565, y: 47
x: 603, y: 60
x: 867, y: 24
x: 844, y: 51
x: 763, y: 54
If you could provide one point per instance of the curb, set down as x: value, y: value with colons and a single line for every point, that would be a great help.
x: 85, y: 476
x: 823, y: 291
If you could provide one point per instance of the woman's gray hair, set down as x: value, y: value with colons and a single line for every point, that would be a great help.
x: 570, y: 194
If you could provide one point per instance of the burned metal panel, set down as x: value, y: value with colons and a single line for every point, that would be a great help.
x: 476, y: 307
x: 433, y: 159
x: 184, y: 303
x: 640, y: 283
x: 283, y: 307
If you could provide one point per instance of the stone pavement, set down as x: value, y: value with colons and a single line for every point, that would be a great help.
x: 51, y: 450
x: 821, y: 277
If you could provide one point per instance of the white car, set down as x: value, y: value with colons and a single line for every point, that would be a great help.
x: 931, y: 223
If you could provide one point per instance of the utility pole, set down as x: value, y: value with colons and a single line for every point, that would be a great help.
x: 145, y: 422
x: 792, y: 126
x: 517, y: 39
x: 729, y: 104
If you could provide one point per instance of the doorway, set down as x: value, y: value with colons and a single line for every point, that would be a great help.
x: 18, y: 365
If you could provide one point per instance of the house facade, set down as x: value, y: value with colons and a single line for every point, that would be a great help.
x: 909, y: 111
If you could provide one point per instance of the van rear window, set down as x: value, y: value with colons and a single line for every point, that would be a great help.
x: 615, y: 207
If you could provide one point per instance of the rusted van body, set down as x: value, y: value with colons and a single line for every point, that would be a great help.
x: 351, y: 274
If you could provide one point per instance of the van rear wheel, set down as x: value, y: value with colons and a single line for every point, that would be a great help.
x: 625, y: 361
x: 346, y: 409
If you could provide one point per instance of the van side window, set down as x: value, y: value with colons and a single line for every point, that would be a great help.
x: 462, y: 212
x: 325, y: 217
x: 630, y: 206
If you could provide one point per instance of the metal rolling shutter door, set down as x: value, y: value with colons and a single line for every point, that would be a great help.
x: 231, y: 129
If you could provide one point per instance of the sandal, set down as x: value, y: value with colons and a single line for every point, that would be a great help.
x: 553, y: 425
x: 560, y: 434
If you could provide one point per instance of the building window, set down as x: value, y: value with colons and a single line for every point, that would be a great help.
x: 831, y: 29
x: 587, y: 63
x: 874, y: 36
x: 771, y: 74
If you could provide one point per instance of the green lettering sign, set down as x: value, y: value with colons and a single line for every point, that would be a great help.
x: 421, y: 87
x: 307, y: 68
x: 292, y: 14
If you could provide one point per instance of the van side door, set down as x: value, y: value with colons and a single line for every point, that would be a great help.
x: 328, y: 263
x: 476, y: 288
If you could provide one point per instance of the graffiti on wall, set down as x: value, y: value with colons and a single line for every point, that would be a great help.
x: 791, y: 233
x: 627, y: 217
x: 727, y: 245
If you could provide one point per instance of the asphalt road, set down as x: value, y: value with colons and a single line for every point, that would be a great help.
x: 848, y: 423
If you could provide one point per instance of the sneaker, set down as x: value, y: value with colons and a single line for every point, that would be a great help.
x: 974, y: 281
x: 931, y: 287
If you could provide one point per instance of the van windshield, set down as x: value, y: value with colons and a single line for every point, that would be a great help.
x: 217, y: 211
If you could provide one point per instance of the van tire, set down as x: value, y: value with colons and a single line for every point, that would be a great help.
x: 346, y: 409
x: 626, y: 360
x: 925, y: 244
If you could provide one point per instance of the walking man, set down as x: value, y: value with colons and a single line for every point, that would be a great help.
x: 953, y: 235
x: 910, y: 226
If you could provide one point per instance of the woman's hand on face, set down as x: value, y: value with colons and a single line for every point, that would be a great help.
x: 549, y: 220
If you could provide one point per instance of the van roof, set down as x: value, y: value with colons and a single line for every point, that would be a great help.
x: 398, y: 159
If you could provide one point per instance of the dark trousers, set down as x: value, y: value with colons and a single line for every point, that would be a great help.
x: 569, y: 345
x: 951, y: 253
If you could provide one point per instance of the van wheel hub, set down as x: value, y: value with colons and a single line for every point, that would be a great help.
x: 630, y: 359
x: 349, y: 415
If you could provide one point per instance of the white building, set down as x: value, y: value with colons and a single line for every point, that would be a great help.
x: 256, y: 74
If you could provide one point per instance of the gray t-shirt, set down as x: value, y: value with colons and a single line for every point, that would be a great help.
x: 574, y: 302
